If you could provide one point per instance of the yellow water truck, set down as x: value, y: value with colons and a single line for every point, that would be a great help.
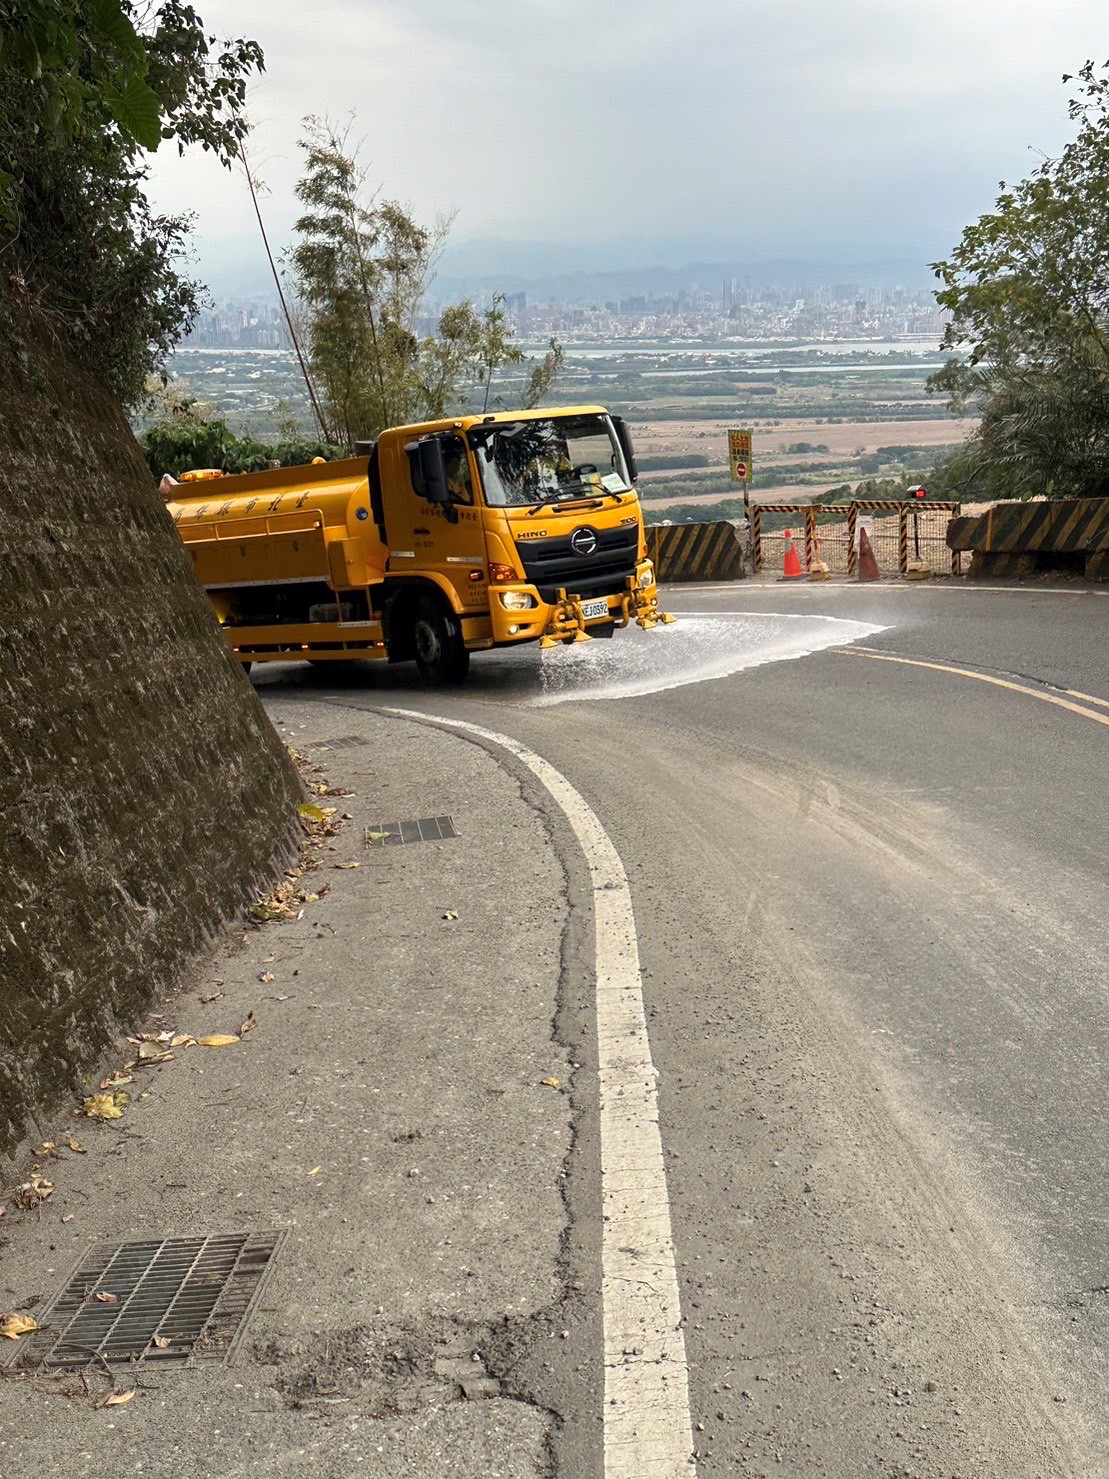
x: 436, y: 541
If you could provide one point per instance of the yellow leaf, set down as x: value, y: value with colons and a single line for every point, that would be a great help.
x: 180, y: 1040
x: 48, y: 1145
x: 315, y: 1171
x: 218, y: 1040
x: 348, y: 865
x: 311, y: 813
x: 76, y: 1147
x: 549, y: 1083
x: 121, y: 1098
x: 160, y: 1343
x: 117, y: 1399
x: 101, y: 1107
x: 13, y: 1326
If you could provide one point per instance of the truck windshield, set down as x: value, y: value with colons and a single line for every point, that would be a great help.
x: 549, y: 459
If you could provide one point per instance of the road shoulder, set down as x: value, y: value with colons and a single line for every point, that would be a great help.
x: 387, y: 1113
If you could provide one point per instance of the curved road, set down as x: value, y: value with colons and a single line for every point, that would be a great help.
x: 865, y: 834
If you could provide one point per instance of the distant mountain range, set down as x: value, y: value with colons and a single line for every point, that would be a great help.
x: 595, y: 273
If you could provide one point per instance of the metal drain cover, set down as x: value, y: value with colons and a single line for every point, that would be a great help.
x: 169, y: 1300
x: 393, y: 834
x: 346, y: 742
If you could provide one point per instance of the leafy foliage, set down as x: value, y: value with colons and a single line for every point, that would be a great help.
x: 87, y: 88
x: 361, y: 269
x: 1028, y: 292
x: 189, y: 434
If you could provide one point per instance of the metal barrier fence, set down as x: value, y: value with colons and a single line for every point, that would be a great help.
x: 898, y: 533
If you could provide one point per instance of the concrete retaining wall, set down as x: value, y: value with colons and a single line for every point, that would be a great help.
x: 143, y: 793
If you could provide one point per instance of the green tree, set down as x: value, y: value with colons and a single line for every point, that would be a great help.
x: 361, y: 268
x: 1028, y: 292
x: 87, y: 89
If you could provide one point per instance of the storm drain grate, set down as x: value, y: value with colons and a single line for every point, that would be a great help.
x: 172, y: 1300
x: 347, y: 742
x: 393, y: 834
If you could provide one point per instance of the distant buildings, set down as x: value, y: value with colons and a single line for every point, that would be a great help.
x: 734, y: 311
x: 256, y: 324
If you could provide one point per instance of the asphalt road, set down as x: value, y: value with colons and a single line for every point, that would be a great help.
x: 871, y: 909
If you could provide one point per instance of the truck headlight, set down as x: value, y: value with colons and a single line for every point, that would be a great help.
x: 516, y: 600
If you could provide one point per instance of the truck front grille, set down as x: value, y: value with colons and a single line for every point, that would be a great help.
x: 551, y: 565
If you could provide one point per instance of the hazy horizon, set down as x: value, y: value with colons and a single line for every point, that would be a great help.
x: 570, y: 138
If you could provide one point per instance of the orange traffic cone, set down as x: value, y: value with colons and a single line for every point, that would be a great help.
x: 792, y: 570
x: 868, y: 565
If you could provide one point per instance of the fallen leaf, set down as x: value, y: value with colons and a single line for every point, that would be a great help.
x: 69, y: 1217
x: 266, y: 977
x: 151, y: 1052
x: 451, y: 914
x: 249, y: 1025
x: 116, y: 1399
x: 102, y: 1107
x: 215, y: 996
x: 218, y: 1040
x: 103, y: 1297
x: 316, y: 1171
x: 160, y: 1343
x: 549, y: 1083
x: 376, y: 836
x: 278, y: 998
x: 113, y: 1080
x: 313, y: 813
x: 13, y: 1326
x: 180, y: 1040
x: 76, y: 1147
x: 48, y: 1145
x: 346, y: 865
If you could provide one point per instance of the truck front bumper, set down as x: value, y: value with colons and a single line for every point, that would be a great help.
x: 569, y: 618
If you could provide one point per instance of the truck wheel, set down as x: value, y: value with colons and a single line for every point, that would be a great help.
x: 441, y: 656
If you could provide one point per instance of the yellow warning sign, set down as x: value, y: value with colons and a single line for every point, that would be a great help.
x: 739, y: 455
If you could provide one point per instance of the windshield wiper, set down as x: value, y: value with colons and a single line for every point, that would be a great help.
x: 553, y: 503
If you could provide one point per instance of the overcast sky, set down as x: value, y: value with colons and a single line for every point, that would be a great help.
x: 654, y: 130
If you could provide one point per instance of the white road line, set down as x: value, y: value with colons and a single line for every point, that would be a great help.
x: 887, y: 584
x: 648, y: 1431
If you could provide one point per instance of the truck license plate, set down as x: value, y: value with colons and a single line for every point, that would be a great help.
x: 592, y: 609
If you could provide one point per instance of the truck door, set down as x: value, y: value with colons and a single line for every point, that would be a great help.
x: 425, y: 538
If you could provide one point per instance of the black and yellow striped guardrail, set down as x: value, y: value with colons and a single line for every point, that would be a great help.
x: 1008, y: 531
x: 696, y: 552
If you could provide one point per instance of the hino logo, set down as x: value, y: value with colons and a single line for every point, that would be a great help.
x: 583, y: 542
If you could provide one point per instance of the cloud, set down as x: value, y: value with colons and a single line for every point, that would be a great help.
x: 773, y: 124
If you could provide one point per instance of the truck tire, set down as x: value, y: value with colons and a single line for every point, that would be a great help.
x: 441, y: 656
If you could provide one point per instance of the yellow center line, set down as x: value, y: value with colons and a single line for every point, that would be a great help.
x: 939, y: 667
x: 1090, y: 699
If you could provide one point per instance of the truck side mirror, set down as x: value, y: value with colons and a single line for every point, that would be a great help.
x: 623, y: 436
x: 430, y: 473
